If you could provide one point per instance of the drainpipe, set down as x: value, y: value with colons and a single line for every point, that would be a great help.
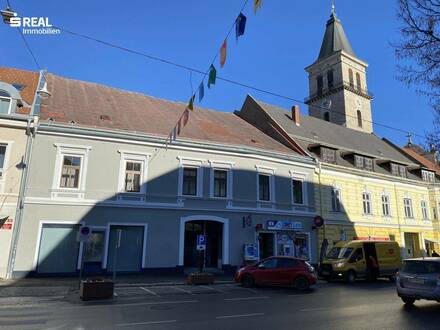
x: 320, y: 203
x: 31, y: 131
x: 398, y: 221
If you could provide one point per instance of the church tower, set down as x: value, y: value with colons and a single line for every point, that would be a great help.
x: 337, y: 82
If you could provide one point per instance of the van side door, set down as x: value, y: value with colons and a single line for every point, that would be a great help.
x: 357, y: 261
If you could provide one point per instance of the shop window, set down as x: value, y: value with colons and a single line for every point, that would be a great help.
x: 189, y: 181
x: 336, y: 200
x: 298, y: 193
x: 264, y: 187
x: 220, y: 183
x: 407, y: 202
x: 94, y: 248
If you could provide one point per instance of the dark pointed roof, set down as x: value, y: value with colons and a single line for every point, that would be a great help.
x: 334, y: 38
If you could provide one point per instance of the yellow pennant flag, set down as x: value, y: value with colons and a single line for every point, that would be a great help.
x: 257, y: 5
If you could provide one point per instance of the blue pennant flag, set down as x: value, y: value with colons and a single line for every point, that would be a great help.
x: 201, y: 91
x: 240, y: 25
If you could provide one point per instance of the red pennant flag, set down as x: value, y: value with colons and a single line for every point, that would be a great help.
x: 185, y: 117
x: 223, y: 54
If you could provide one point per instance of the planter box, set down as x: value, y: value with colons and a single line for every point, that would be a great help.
x: 200, y: 278
x: 96, y: 289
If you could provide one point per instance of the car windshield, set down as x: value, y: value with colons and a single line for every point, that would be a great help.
x: 421, y: 267
x: 339, y: 253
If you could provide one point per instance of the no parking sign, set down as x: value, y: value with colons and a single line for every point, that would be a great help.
x: 201, y: 242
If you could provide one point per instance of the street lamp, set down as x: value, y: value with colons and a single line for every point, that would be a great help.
x: 43, y: 92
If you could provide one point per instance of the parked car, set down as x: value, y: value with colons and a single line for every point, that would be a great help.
x: 282, y: 271
x: 419, y: 279
x: 361, y: 259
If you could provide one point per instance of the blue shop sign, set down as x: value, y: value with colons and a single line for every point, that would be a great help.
x: 283, y: 225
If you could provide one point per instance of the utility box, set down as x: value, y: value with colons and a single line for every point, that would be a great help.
x: 96, y: 289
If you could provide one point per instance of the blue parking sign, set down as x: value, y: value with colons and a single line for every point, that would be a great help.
x: 201, y: 242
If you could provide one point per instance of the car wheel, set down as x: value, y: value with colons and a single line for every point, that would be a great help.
x: 301, y: 283
x: 408, y: 301
x: 247, y: 281
x: 350, y: 277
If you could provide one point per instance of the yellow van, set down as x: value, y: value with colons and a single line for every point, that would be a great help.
x: 361, y: 259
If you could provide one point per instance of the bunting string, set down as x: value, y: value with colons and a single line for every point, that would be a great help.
x: 239, y: 25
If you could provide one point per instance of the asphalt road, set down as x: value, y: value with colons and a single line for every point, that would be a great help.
x: 227, y: 306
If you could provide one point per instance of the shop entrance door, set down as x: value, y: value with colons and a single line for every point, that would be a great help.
x: 267, y: 243
x: 410, y: 244
x: 214, y: 243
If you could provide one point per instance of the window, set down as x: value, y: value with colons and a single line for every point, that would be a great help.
x: 366, y: 202
x: 398, y: 170
x: 368, y: 164
x: 189, y: 181
x: 386, y: 206
x: 220, y: 183
x: 133, y: 174
x: 5, y: 102
x: 287, y: 263
x: 319, y: 84
x: 359, y: 118
x: 327, y: 116
x: 350, y: 77
x: 270, y: 264
x: 70, y: 172
x: 358, y: 82
x: 428, y: 176
x: 336, y: 200
x: 363, y: 163
x: 297, y: 187
x: 424, y: 207
x: 359, y: 161
x: 402, y: 171
x: 2, y: 158
x: 330, y: 78
x: 407, y: 202
x: 328, y: 155
x: 264, y: 187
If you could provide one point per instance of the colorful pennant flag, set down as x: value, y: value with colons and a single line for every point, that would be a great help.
x: 212, y: 76
x: 223, y: 53
x: 179, y: 126
x: 185, y: 117
x: 257, y: 5
x: 240, y: 25
x: 201, y: 91
x: 191, y: 103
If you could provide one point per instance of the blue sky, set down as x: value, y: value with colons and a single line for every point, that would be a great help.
x: 280, y: 41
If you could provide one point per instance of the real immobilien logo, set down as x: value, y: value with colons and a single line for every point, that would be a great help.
x: 30, y: 25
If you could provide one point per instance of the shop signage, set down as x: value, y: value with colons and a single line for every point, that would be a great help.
x: 372, y: 238
x: 6, y: 223
x: 283, y: 225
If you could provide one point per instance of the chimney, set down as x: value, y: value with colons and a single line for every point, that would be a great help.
x: 296, y: 115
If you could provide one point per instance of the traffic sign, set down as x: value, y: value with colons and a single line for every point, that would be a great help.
x: 84, y: 234
x: 201, y: 242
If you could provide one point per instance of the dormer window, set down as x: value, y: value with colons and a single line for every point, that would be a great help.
x: 428, y: 176
x: 398, y: 170
x: 363, y: 163
x: 328, y: 155
x: 5, y: 103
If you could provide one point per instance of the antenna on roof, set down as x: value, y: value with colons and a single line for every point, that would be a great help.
x: 409, y: 136
x: 333, y: 12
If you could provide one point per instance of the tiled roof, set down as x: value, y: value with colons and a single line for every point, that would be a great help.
x: 27, y: 79
x: 422, y: 160
x: 94, y: 105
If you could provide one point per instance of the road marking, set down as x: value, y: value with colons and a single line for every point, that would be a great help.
x: 208, y: 287
x: 149, y: 291
x: 305, y: 294
x: 183, y: 290
x: 238, y: 315
x: 145, y: 323
x: 246, y: 298
x: 251, y: 290
x: 132, y: 304
x: 315, y: 309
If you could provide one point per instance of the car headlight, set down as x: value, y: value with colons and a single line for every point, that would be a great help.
x: 340, y: 264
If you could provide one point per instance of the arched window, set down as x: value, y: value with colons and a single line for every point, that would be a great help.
x: 319, y: 84
x: 359, y: 117
x: 327, y: 116
x: 358, y: 82
x: 330, y: 78
x: 350, y: 77
x: 5, y: 102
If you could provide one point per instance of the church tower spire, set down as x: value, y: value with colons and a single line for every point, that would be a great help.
x: 337, y: 81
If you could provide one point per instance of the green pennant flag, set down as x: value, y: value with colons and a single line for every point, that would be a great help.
x: 212, y: 76
x: 191, y: 103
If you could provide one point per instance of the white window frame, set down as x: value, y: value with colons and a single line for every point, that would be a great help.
x: 388, y: 203
x: 409, y: 215
x: 133, y: 156
x: 191, y: 163
x: 222, y: 166
x: 303, y: 178
x: 428, y: 176
x: 339, y: 200
x: 4, y: 170
x: 75, y: 151
x: 269, y: 171
x: 367, y: 202
x: 10, y: 102
x: 424, y: 209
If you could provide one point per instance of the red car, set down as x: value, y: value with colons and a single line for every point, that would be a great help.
x: 286, y: 271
